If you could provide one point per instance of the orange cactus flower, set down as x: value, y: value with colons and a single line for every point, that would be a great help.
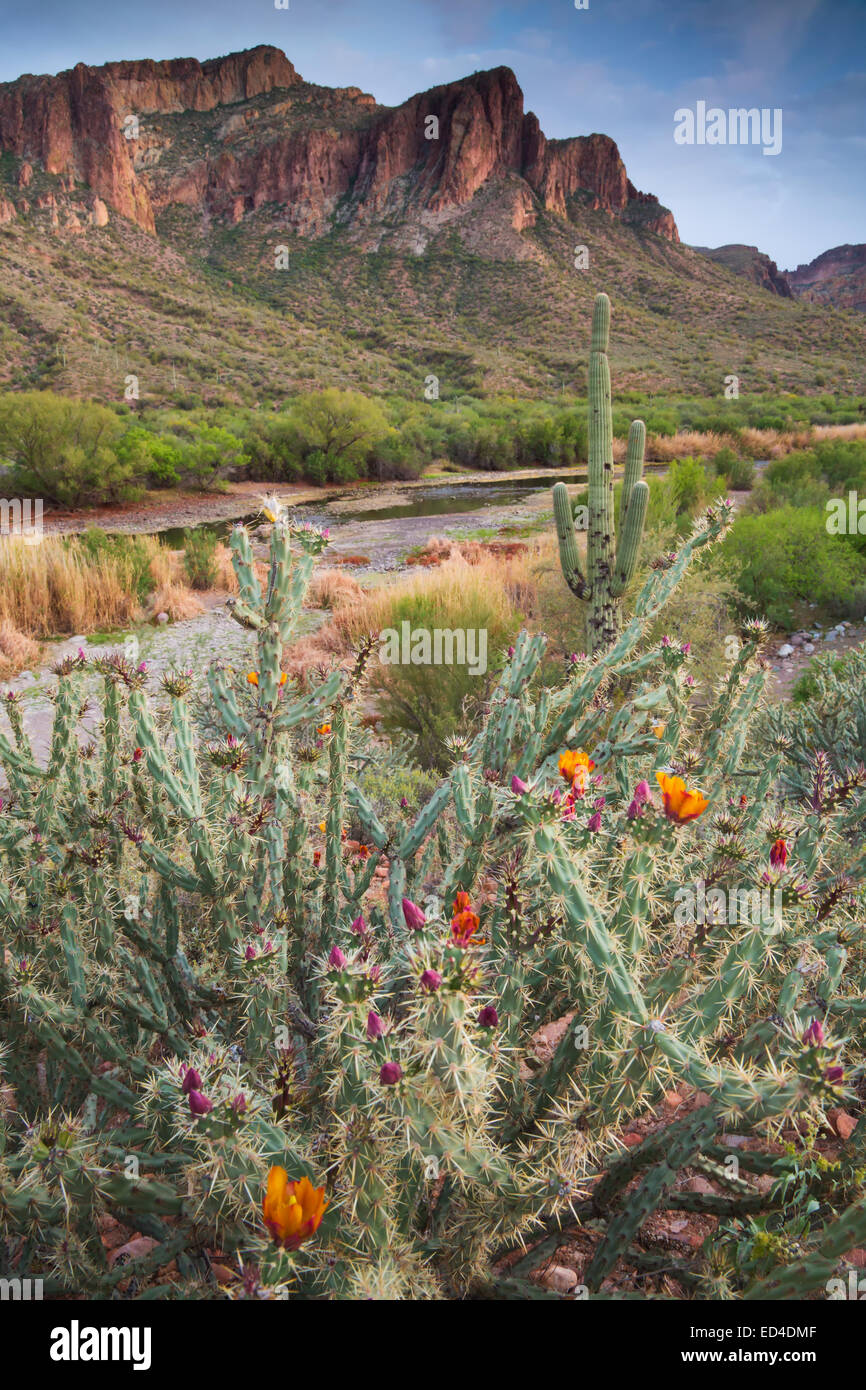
x: 575, y: 767
x: 292, y: 1211
x: 322, y: 826
x: 253, y: 677
x: 323, y: 729
x: 463, y: 926
x: 682, y: 803
x: 462, y: 902
x: 658, y: 730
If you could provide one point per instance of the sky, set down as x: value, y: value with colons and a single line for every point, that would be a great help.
x: 622, y: 67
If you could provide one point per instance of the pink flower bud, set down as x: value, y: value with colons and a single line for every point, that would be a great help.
x: 239, y: 1104
x: 518, y: 786
x: 488, y: 1017
x: 594, y: 822
x: 415, y: 918
x: 199, y: 1104
x: 375, y: 1026
x: 390, y: 1073
x: 359, y: 926
x: 250, y: 952
x: 642, y: 793
x: 814, y: 1034
x: 336, y: 959
x: 431, y: 980
x: 834, y: 1075
x: 191, y: 1081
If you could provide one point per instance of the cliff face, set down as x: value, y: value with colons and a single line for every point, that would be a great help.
x: 320, y: 154
x: 754, y: 264
x: 836, y: 277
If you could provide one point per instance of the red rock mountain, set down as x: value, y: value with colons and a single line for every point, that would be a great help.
x: 836, y: 277
x: 233, y: 134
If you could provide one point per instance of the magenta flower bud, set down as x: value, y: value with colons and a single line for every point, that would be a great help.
x: 404, y: 804
x: 686, y: 648
x: 375, y: 1026
x: 594, y: 822
x: 374, y: 973
x: 557, y: 796
x: 415, y: 918
x: 634, y: 810
x: 814, y: 1034
x: 250, y: 952
x: 518, y: 786
x: 336, y: 959
x: 488, y: 1017
x: 239, y: 1104
x: 431, y: 980
x: 199, y: 1104
x: 390, y: 1073
x: 191, y: 1081
x: 834, y: 1074
x: 326, y: 531
x: 359, y: 926
x: 642, y: 793
x: 510, y: 651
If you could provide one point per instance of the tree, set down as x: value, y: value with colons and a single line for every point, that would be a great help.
x: 208, y: 452
x: 343, y: 426
x: 66, y: 451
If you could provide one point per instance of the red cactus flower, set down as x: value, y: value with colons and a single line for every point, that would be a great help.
x: 778, y: 854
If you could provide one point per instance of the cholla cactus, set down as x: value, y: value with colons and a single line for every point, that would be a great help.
x: 200, y: 988
x: 609, y: 564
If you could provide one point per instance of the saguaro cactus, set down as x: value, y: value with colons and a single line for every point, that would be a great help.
x: 609, y: 567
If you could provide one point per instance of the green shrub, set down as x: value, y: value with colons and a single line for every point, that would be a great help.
x: 787, y: 555
x: 199, y: 557
x: 133, y: 550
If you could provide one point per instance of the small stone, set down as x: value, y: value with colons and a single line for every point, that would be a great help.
x: 734, y: 1141
x: 808, y: 648
x: 843, y: 1123
x: 700, y: 1185
x: 162, y: 618
x: 631, y: 1140
x: 786, y: 649
x: 560, y: 1278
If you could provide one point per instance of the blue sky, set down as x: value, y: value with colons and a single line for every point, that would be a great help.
x: 621, y: 66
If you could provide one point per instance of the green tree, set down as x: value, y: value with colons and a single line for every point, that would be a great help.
x: 67, y: 451
x: 344, y: 426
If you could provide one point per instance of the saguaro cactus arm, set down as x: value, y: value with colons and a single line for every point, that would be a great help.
x: 568, y: 553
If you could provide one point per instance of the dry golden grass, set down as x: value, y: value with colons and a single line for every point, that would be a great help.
x: 17, y: 652
x: 55, y: 587
x: 176, y: 600
x: 226, y: 577
x: 448, y: 595
x: 333, y: 589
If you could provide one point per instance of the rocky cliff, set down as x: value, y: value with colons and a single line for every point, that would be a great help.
x: 754, y: 264
x: 233, y: 134
x: 837, y: 277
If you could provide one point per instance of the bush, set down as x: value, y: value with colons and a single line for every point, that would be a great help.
x: 68, y: 451
x: 786, y: 555
x: 199, y: 557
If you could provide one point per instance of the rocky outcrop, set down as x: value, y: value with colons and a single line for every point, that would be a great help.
x: 836, y: 277
x: 753, y: 264
x: 321, y: 154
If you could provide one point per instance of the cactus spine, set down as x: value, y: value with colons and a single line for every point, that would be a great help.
x: 609, y: 566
